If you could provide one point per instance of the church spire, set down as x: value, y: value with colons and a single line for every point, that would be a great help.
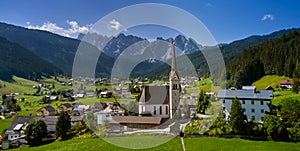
x: 173, y: 55
x: 173, y: 73
x: 174, y: 88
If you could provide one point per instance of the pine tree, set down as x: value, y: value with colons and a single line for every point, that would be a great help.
x: 296, y: 76
x: 63, y: 125
x: 203, y: 102
x: 237, y: 117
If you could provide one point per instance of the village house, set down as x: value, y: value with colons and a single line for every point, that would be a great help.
x: 16, y: 130
x: 90, y: 94
x: 65, y: 107
x: 286, y: 84
x: 106, y: 94
x: 131, y: 123
x: 81, y: 109
x: 112, y: 108
x: 255, y: 103
x: 53, y: 98
x: 187, y: 107
x: 46, y: 111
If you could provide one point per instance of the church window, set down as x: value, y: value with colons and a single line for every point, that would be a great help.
x: 167, y: 110
x: 160, y: 110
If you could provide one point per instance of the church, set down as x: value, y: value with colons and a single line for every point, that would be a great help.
x: 162, y: 101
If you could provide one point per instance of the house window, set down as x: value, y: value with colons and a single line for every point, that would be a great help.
x: 252, y: 110
x: 262, y: 111
x: 166, y: 110
x: 243, y: 101
x: 261, y: 102
x: 262, y: 118
x: 252, y: 102
x: 154, y: 112
x: 223, y: 101
x: 160, y: 110
x: 253, y: 117
x: 244, y: 110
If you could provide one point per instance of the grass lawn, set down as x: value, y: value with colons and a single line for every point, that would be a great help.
x: 4, y: 124
x: 19, y: 85
x: 280, y: 96
x: 191, y: 144
x: 269, y: 80
x: 93, y: 100
x: 205, y: 84
x: 88, y: 101
x: 211, y: 144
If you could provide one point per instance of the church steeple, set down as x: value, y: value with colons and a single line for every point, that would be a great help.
x: 174, y: 84
x: 173, y: 68
x: 173, y: 73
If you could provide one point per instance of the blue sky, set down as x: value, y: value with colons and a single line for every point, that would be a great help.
x: 227, y: 20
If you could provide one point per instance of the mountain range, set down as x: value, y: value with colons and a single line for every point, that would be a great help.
x: 58, y: 52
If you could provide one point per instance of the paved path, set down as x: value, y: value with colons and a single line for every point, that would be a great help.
x: 182, y: 143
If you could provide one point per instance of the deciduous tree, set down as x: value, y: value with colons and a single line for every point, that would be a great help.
x: 35, y: 131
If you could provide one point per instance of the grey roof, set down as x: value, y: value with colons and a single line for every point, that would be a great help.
x: 246, y: 94
x: 76, y: 118
x: 22, y: 120
x: 67, y: 105
x: 155, y: 95
x: 49, y: 120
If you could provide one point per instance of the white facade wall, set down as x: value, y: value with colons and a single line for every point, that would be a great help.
x: 163, y: 113
x: 12, y: 136
x: 254, y: 109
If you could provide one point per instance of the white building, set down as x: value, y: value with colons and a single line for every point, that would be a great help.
x: 255, y: 103
x: 162, y: 101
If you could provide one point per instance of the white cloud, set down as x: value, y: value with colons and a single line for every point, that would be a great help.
x: 268, y: 17
x: 209, y: 5
x: 73, y: 31
x: 114, y: 24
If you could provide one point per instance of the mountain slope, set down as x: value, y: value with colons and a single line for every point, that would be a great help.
x: 16, y: 60
x: 58, y: 50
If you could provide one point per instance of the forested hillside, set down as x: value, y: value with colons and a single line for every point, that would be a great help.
x: 16, y: 60
x: 280, y: 56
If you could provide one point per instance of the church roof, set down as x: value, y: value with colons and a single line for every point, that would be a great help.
x: 155, y: 95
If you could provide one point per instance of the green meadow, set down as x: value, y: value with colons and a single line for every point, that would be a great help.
x: 191, y: 144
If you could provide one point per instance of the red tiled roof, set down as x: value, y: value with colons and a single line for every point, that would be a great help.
x: 286, y: 82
